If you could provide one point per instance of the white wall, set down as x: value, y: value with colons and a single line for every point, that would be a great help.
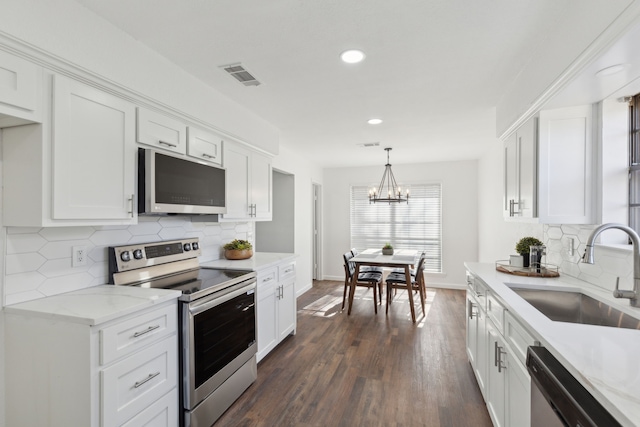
x: 497, y: 237
x: 459, y: 213
x: 306, y: 174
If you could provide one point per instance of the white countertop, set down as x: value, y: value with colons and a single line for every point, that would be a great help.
x: 605, y: 360
x: 259, y: 261
x: 95, y: 305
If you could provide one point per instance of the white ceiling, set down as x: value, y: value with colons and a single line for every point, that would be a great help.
x: 434, y: 71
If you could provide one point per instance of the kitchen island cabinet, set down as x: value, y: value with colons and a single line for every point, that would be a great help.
x: 602, y: 359
x: 101, y: 357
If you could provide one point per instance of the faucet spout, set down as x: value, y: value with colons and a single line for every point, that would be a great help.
x: 589, y: 258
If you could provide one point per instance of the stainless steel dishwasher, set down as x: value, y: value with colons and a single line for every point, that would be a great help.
x: 558, y: 399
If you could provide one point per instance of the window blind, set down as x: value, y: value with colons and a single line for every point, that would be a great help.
x: 416, y: 225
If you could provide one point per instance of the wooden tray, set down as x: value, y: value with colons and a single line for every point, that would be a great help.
x: 546, y: 270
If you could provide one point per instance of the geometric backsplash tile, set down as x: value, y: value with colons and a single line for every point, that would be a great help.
x: 610, y: 261
x: 38, y: 260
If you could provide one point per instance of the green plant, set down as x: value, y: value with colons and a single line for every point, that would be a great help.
x: 238, y: 244
x: 387, y: 246
x: 523, y: 245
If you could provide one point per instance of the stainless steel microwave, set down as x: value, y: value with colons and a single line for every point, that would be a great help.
x: 169, y: 184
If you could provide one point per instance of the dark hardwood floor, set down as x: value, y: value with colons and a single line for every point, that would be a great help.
x: 366, y: 369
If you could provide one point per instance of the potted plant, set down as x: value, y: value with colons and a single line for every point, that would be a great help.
x: 522, y: 247
x: 238, y: 249
x: 387, y: 249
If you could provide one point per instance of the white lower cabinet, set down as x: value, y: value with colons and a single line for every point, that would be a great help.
x: 496, y: 347
x: 120, y: 373
x: 276, y: 306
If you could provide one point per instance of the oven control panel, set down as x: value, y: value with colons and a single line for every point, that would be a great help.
x: 140, y: 255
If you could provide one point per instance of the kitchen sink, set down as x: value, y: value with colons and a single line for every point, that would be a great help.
x: 576, y: 307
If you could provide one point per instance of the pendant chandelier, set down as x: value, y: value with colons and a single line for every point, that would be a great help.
x: 388, y: 187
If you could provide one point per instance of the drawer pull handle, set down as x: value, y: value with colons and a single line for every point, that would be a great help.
x: 146, y: 331
x: 168, y: 144
x: 208, y: 156
x: 288, y: 270
x: 149, y: 378
x: 268, y: 279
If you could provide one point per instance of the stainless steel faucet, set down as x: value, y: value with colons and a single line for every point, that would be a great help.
x: 588, y: 258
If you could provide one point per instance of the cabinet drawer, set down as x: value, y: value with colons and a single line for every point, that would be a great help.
x: 495, y: 312
x: 204, y: 145
x: 130, y: 335
x: 131, y: 385
x: 161, y: 131
x: 517, y: 337
x: 162, y: 413
x: 268, y: 277
x: 286, y: 270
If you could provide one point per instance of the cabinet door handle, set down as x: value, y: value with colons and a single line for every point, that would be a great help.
x: 501, y: 366
x: 208, y: 156
x: 168, y: 144
x: 146, y: 331
x: 146, y: 380
x: 495, y: 353
x: 131, y: 205
x: 471, y: 313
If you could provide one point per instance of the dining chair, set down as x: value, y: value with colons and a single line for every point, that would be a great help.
x: 369, y: 279
x: 398, y: 280
x: 364, y: 268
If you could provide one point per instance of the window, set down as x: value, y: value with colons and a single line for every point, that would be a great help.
x: 634, y: 163
x: 416, y: 225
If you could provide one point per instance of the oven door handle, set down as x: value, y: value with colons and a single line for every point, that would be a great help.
x: 199, y: 307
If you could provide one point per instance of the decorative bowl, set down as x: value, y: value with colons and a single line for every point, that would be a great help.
x: 238, y: 253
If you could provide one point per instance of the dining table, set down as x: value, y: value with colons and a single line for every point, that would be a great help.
x: 403, y: 258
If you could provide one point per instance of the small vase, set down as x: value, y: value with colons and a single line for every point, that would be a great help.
x: 525, y: 260
x: 238, y: 253
x: 387, y: 251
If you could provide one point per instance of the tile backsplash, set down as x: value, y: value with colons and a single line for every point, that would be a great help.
x: 610, y: 261
x: 38, y: 260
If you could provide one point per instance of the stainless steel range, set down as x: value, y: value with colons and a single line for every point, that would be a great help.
x: 217, y: 321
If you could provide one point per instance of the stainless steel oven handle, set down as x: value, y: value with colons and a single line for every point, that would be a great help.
x: 198, y: 306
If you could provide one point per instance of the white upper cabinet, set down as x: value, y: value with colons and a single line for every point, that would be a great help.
x: 93, y: 153
x: 161, y: 131
x: 20, y: 91
x: 549, y: 171
x: 249, y: 184
x: 78, y: 168
x: 566, y: 169
x: 204, y: 145
x: 520, y: 172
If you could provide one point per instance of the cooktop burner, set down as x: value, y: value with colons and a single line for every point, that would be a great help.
x: 169, y: 265
x: 197, y: 283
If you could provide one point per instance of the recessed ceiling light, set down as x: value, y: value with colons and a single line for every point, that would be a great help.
x: 611, y: 70
x: 374, y: 121
x: 352, y: 56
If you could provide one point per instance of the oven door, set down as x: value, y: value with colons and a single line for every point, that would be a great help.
x: 219, y: 336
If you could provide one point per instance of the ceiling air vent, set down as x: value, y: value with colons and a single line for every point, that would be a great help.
x: 240, y: 74
x: 369, y: 144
